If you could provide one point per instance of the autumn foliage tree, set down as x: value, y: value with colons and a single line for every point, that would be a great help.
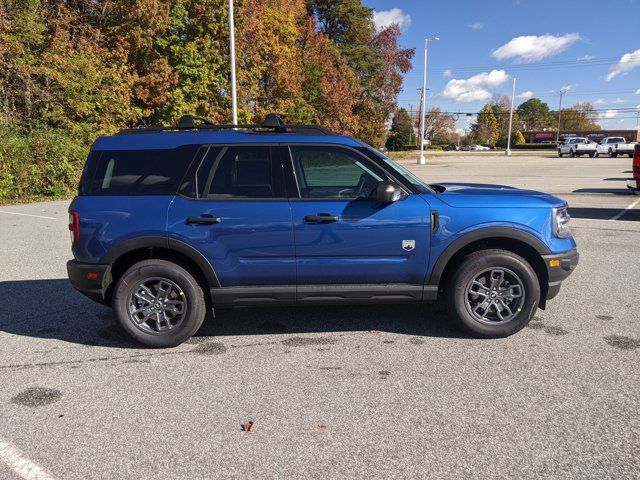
x: 71, y: 70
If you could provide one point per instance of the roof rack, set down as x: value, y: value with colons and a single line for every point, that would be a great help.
x: 272, y: 123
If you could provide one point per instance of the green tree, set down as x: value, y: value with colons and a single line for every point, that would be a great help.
x: 401, y: 135
x: 534, y: 115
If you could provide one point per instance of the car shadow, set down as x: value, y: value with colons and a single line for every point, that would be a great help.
x: 52, y: 309
x: 604, y: 213
x: 614, y: 191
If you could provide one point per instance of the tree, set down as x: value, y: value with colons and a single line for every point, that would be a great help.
x: 401, y: 135
x: 534, y: 115
x: 485, y: 130
x: 517, y: 138
x: 439, y: 126
x: 579, y: 117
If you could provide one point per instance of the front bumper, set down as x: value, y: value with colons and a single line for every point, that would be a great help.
x: 89, y: 279
x: 559, y: 266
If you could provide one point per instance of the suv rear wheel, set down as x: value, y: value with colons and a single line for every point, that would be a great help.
x: 493, y: 293
x: 159, y: 303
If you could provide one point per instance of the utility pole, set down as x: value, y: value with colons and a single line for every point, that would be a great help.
x: 513, y: 98
x: 232, y: 51
x: 411, y: 130
x: 561, y: 92
x: 421, y: 159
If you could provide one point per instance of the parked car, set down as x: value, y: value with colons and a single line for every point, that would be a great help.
x: 451, y: 147
x: 634, y: 183
x: 172, y: 222
x: 607, y: 146
x: 624, y: 149
x: 576, y: 147
x: 466, y: 148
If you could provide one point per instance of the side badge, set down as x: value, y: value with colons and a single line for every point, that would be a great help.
x: 408, y: 245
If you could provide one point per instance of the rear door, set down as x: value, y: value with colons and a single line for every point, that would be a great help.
x: 347, y: 243
x: 232, y: 207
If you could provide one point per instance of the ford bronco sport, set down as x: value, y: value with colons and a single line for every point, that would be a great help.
x: 171, y: 222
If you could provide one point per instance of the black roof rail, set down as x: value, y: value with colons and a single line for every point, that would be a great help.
x: 271, y: 123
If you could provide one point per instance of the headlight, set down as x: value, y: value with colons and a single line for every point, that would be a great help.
x: 561, y: 219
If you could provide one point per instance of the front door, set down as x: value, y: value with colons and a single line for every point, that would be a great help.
x: 233, y: 209
x: 344, y: 237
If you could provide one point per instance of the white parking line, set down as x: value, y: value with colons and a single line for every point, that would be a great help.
x: 21, y: 465
x: 622, y: 212
x: 28, y: 215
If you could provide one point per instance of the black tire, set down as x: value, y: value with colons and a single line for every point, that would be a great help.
x: 630, y: 155
x: 614, y: 155
x: 610, y: 153
x: 187, y: 323
x: 559, y: 153
x: 475, y: 264
x: 592, y: 155
x: 571, y: 153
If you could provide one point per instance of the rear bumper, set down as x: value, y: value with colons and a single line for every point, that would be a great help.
x: 89, y: 279
x: 566, y: 263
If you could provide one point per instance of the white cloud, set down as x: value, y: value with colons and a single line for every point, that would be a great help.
x: 526, y: 95
x: 618, y: 100
x: 532, y: 48
x: 609, y: 114
x: 447, y: 73
x: 474, y: 88
x: 586, y: 58
x: 600, y: 101
x: 638, y: 91
x: 386, y: 18
x: 566, y: 88
x: 627, y: 62
x: 476, y: 25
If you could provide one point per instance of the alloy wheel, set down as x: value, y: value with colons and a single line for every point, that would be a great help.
x: 157, y: 305
x: 495, y: 296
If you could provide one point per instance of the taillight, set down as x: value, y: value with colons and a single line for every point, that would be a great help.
x: 74, y: 227
x: 636, y: 160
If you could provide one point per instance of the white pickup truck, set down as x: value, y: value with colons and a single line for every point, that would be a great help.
x: 614, y: 146
x: 577, y: 146
x: 624, y: 149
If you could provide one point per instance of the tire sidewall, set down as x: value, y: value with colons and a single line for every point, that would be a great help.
x: 469, y: 269
x: 196, y: 309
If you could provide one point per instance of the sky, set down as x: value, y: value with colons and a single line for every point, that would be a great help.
x: 589, y: 48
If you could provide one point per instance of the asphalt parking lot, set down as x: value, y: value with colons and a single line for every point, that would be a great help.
x: 357, y: 392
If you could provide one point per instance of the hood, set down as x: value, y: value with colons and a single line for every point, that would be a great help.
x: 480, y: 195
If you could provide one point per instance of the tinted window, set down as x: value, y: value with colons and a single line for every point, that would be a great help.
x: 235, y: 172
x: 135, y: 172
x: 333, y: 172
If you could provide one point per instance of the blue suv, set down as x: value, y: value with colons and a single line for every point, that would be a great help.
x: 171, y: 222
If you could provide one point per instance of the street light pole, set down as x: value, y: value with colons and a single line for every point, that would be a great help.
x: 561, y: 92
x: 232, y: 51
x: 513, y: 98
x: 421, y: 159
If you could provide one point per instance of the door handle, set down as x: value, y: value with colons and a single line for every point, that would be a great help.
x: 321, y: 218
x: 203, y: 220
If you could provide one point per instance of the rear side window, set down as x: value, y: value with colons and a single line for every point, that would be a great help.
x: 235, y: 171
x: 135, y: 172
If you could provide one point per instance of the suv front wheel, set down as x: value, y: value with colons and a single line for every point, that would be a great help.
x: 493, y: 293
x: 159, y: 303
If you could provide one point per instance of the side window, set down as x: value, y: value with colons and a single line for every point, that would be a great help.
x: 334, y: 172
x: 235, y: 172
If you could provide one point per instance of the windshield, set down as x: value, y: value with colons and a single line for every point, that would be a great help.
x: 419, y: 185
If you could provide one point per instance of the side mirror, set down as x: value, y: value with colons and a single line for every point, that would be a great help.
x: 388, y: 192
